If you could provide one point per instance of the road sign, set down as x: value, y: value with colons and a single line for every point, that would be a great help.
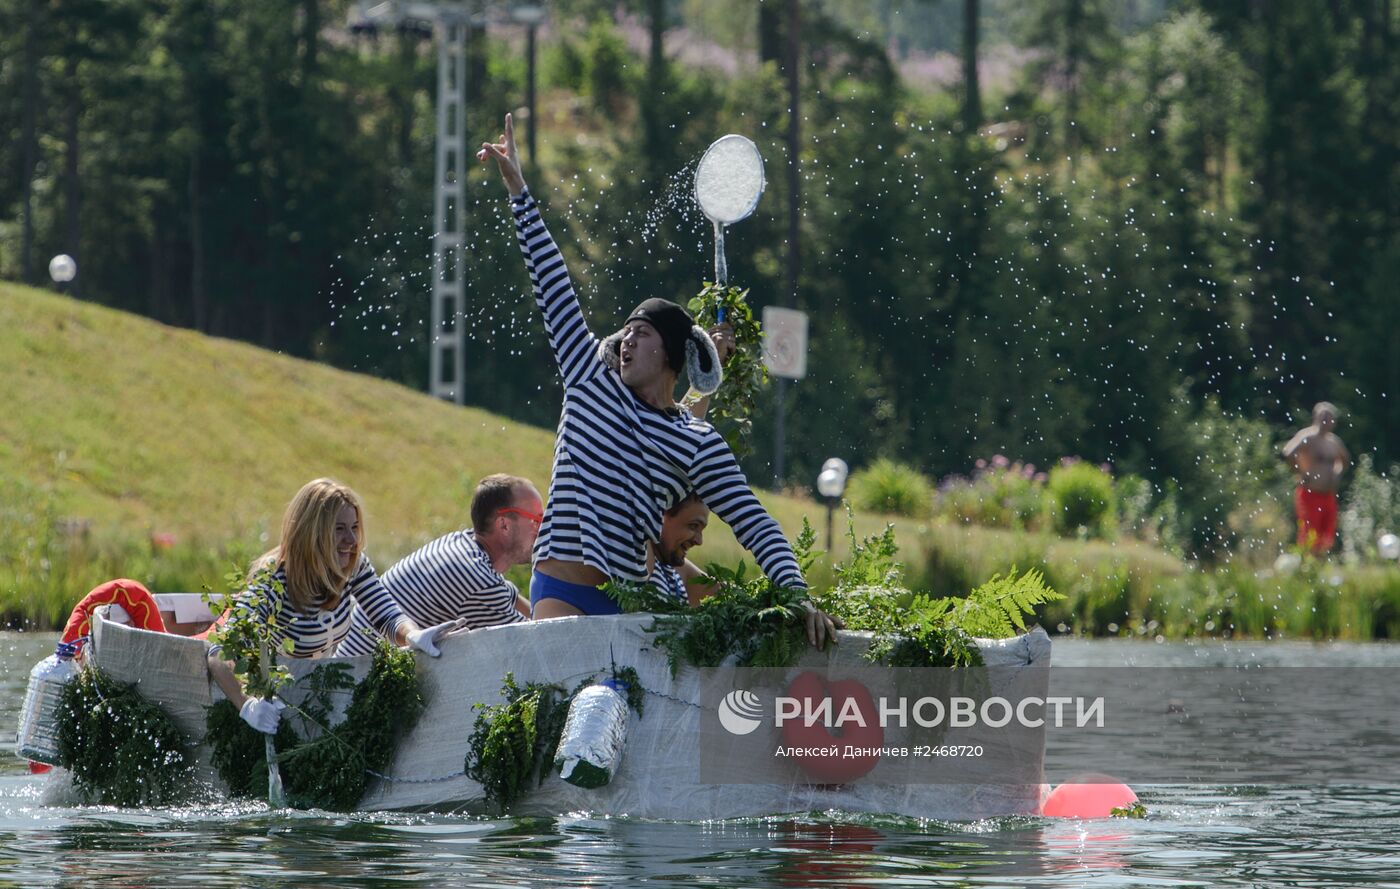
x: 785, y: 342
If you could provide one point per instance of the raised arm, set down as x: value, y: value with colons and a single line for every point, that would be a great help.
x: 575, y: 348
x: 507, y: 159
x: 1290, y: 450
x: 721, y: 484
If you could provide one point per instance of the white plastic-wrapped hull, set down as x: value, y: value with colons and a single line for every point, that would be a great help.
x: 660, y: 769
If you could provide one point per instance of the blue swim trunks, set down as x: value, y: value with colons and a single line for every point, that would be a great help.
x: 588, y: 599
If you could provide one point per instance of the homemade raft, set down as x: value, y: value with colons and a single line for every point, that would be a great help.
x: 660, y: 771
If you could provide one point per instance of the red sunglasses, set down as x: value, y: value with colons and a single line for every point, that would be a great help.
x: 532, y: 516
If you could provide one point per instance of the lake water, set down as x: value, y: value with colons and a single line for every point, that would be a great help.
x: 1284, y: 835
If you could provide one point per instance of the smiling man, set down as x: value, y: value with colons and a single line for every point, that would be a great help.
x: 682, y: 529
x: 625, y: 451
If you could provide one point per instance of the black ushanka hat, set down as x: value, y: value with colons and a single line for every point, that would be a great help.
x: 688, y: 347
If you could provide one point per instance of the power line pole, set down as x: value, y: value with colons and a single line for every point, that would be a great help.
x: 447, y: 360
x: 451, y: 21
x: 972, y: 94
x: 792, y: 59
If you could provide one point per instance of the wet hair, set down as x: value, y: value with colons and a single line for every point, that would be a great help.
x: 493, y: 494
x: 690, y: 497
x: 1325, y: 407
x: 306, y: 549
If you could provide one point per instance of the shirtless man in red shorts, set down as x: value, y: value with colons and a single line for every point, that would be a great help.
x: 1319, y: 458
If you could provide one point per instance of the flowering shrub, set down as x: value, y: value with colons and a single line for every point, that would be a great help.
x: 1000, y: 494
x: 1016, y: 496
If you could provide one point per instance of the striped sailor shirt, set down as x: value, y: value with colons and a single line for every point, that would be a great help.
x: 618, y: 461
x: 449, y: 578
x: 669, y: 581
x: 318, y: 633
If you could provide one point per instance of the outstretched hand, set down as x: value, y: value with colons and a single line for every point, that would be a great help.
x: 426, y: 640
x: 507, y: 158
x: 821, y: 626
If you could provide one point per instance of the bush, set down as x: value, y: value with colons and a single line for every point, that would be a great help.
x: 1082, y: 497
x: 1372, y: 508
x: 1233, y: 486
x: 1167, y: 527
x: 1004, y: 495
x: 564, y: 66
x: 890, y: 487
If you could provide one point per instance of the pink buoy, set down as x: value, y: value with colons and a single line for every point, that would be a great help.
x: 1090, y: 796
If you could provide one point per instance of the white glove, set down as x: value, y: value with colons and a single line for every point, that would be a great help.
x: 263, y: 714
x: 426, y: 640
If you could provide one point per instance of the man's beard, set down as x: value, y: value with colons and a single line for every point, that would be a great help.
x: 673, y: 557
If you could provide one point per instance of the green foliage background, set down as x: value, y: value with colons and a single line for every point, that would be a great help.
x: 1173, y: 216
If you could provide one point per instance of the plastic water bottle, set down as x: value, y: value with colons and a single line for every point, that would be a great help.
x: 38, y: 721
x: 590, y: 746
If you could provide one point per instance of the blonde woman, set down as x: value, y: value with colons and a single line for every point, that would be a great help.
x: 309, y: 585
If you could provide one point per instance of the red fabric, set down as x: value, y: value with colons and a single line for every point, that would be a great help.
x: 1317, y: 519
x: 131, y: 595
x: 218, y: 624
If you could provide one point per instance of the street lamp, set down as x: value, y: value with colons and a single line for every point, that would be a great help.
x: 531, y: 16
x: 1389, y: 546
x: 831, y: 484
x: 62, y: 269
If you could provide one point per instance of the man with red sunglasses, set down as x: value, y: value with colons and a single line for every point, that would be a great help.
x: 461, y: 575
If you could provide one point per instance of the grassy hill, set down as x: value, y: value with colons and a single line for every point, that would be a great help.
x: 133, y: 425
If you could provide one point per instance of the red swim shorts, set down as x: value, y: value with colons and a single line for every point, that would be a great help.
x: 1317, y: 519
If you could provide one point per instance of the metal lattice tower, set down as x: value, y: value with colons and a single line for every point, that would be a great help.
x: 450, y: 22
x: 447, y: 360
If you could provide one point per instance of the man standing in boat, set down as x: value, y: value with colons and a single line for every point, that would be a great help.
x: 1319, y: 458
x: 625, y: 451
x: 461, y: 575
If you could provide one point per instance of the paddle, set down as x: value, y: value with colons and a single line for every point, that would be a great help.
x: 276, y: 796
